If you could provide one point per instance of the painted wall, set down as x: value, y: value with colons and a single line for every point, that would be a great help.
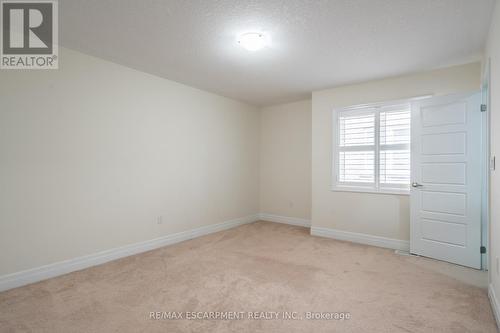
x: 493, y: 53
x: 285, y: 160
x: 374, y: 214
x: 91, y: 154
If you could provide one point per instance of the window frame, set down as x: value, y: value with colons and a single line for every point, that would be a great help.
x: 374, y: 187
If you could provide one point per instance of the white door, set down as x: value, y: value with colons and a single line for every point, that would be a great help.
x: 446, y: 179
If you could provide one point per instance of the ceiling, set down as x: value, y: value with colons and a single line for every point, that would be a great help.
x: 316, y: 44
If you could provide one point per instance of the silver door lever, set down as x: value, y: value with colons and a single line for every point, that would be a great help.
x: 416, y: 185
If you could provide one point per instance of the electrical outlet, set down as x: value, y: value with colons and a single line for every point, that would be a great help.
x: 159, y: 220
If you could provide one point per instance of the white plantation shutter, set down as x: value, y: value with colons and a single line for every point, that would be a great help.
x: 357, y: 129
x: 394, y: 167
x: 357, y: 147
x: 356, y: 166
x: 395, y: 146
x: 373, y: 148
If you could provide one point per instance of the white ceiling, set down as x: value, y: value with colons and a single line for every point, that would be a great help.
x: 316, y: 44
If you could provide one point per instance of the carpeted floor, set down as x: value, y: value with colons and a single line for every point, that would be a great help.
x: 261, y: 267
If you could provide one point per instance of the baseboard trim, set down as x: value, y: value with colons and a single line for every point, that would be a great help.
x: 285, y: 220
x: 22, y: 278
x: 495, y: 306
x: 355, y: 237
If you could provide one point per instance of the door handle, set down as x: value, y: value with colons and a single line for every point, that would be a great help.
x: 414, y: 184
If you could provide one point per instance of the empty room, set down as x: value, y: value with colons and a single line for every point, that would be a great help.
x: 249, y: 166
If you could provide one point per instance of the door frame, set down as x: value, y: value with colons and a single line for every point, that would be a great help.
x: 485, y: 167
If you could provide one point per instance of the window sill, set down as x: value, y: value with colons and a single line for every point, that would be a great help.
x: 360, y: 189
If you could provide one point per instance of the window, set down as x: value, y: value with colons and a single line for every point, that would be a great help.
x: 372, y: 149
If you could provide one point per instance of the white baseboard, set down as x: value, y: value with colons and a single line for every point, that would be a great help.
x: 495, y: 306
x: 354, y: 237
x: 285, y: 220
x: 67, y: 266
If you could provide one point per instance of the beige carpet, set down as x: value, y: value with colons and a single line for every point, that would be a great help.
x: 257, y: 267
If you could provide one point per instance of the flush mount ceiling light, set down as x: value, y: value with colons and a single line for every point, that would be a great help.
x: 252, y: 41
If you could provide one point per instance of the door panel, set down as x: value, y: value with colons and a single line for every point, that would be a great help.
x: 446, y: 204
x: 453, y: 113
x: 452, y: 233
x: 444, y: 173
x: 443, y: 202
x: 444, y: 143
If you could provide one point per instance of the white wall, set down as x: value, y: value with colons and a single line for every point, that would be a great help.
x: 285, y: 160
x: 375, y: 214
x: 493, y: 53
x: 92, y: 153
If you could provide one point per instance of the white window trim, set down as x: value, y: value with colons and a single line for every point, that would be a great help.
x: 367, y: 187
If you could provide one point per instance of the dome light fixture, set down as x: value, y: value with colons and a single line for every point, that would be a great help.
x: 252, y: 41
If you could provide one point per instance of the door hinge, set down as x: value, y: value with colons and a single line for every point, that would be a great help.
x: 484, y: 107
x: 483, y: 249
